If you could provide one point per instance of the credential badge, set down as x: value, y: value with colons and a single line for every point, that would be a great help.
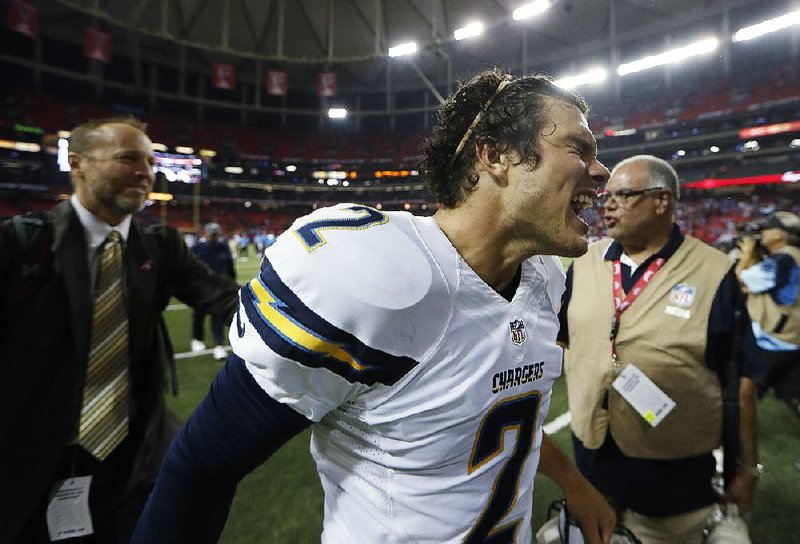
x: 517, y: 332
x: 682, y: 295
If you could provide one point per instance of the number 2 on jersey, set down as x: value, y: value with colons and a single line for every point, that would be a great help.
x: 364, y: 217
x: 520, y: 413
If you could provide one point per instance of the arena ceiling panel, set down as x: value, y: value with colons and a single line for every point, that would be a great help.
x: 352, y: 37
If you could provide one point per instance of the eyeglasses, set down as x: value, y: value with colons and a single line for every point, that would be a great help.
x: 623, y: 196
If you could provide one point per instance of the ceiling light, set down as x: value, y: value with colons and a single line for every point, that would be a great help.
x: 469, y: 31
x: 403, y: 49
x: 337, y: 113
x: 596, y: 75
x: 766, y: 27
x: 669, y: 57
x: 531, y: 9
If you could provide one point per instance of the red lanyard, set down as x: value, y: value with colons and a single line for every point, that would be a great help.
x: 623, y: 302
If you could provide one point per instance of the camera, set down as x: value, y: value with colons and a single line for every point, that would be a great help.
x: 752, y: 230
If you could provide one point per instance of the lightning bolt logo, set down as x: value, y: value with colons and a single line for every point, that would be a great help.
x: 274, y: 313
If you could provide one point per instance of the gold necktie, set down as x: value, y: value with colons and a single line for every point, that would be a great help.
x: 104, y: 414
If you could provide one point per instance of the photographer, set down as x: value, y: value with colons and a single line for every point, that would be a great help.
x: 771, y: 281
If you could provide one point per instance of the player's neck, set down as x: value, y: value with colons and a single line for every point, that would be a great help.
x: 481, y: 246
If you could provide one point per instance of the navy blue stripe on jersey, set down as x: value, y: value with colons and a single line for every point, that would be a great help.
x: 294, y: 331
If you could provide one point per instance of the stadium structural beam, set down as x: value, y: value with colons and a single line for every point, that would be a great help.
x: 389, y: 101
x: 186, y: 25
x: 446, y: 25
x: 38, y: 56
x: 201, y: 94
x: 614, y: 48
x: 331, y: 18
x: 379, y: 45
x: 138, y: 11
x: 378, y: 27
x: 258, y: 83
x: 281, y: 26
x: 426, y: 81
x: 261, y: 39
x: 725, y: 46
x: 164, y: 18
x: 153, y: 86
x: 248, y: 19
x: 421, y: 15
x: 311, y: 30
x: 182, y: 71
x: 136, y: 58
x: 243, y: 110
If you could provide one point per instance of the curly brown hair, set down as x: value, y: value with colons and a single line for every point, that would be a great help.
x: 510, y: 116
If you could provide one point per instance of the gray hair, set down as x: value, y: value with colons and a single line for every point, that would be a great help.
x: 661, y: 173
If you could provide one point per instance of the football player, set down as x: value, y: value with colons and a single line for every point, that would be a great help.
x: 421, y: 349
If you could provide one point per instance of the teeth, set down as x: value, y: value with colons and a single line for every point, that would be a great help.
x: 582, y: 202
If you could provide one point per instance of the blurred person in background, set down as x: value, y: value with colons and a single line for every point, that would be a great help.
x: 243, y: 239
x: 84, y: 348
x: 653, y: 305
x: 421, y: 350
x: 214, y: 251
x: 769, y: 270
x: 233, y: 246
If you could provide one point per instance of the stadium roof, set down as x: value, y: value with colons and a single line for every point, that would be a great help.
x: 352, y: 37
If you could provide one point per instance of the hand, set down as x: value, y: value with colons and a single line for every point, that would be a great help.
x: 741, y: 491
x: 747, y: 244
x: 594, y: 515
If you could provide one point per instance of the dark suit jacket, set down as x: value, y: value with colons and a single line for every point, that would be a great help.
x: 44, y: 343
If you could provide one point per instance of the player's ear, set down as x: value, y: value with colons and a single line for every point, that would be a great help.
x: 490, y: 159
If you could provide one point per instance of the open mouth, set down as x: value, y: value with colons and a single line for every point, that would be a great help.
x: 580, y: 203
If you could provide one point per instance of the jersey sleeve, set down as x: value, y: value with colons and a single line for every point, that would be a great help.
x: 332, y: 312
x: 760, y: 277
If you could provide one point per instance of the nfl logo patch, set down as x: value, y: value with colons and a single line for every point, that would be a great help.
x: 517, y: 331
x: 682, y: 295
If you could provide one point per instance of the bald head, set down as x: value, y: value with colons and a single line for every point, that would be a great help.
x: 656, y: 172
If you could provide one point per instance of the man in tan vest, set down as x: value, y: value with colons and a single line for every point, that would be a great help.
x: 772, y: 284
x: 646, y: 323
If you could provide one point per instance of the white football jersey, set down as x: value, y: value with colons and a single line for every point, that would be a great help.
x: 429, y: 389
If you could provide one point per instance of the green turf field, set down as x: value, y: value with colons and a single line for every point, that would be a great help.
x: 281, y: 502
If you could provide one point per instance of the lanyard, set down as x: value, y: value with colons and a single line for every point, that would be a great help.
x: 622, y: 302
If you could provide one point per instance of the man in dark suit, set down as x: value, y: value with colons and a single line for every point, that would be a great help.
x: 83, y: 346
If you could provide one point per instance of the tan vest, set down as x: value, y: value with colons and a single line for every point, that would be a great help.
x: 781, y: 322
x: 669, y: 349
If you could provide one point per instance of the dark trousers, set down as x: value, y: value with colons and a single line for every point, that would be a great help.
x: 198, y: 327
x: 114, y: 513
x: 781, y: 372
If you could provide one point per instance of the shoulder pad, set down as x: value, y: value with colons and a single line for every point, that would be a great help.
x: 351, y: 289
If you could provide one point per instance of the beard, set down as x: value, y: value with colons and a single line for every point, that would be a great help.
x: 120, y: 203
